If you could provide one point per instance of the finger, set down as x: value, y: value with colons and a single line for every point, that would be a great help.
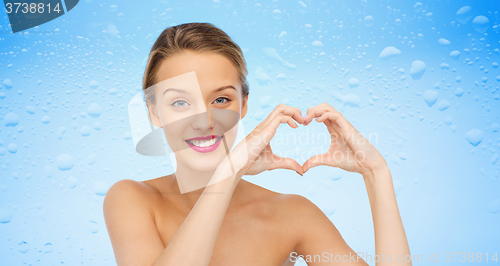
x: 273, y: 125
x: 286, y: 163
x: 316, y: 111
x: 345, y: 125
x: 260, y: 138
x: 342, y: 126
x: 295, y: 113
x: 316, y: 160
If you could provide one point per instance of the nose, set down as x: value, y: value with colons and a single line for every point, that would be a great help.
x: 202, y: 122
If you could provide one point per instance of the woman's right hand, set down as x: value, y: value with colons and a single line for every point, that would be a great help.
x: 260, y: 155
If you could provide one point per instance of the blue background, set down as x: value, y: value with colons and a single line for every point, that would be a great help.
x: 65, y: 135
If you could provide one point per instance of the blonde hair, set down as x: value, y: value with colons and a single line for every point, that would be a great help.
x: 198, y: 37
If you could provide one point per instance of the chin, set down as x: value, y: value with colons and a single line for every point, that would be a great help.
x: 204, y: 161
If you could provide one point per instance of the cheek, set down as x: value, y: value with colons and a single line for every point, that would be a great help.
x: 174, y: 134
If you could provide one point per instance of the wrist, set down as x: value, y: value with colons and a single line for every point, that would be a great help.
x: 378, y: 172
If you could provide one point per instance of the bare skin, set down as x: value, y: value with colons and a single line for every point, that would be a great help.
x: 152, y: 223
x: 261, y: 227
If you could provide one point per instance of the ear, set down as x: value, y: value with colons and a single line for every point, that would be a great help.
x: 244, y: 107
x: 153, y: 116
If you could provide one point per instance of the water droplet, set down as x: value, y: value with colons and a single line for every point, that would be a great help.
x: 277, y: 14
x: 97, y: 125
x: 5, y: 216
x: 474, y: 136
x: 7, y: 84
x: 455, y: 55
x: 443, y: 42
x: 127, y: 135
x: 494, y: 159
x: 430, y: 97
x: 417, y: 69
x: 60, y: 132
x: 72, y: 181
x: 94, y: 110
x: 495, y: 127
x: 259, y: 115
x: 112, y: 91
x: 368, y: 21
x: 93, y: 227
x: 464, y: 14
x: 353, y: 83
x: 261, y: 77
x: 93, y: 84
x: 459, y: 92
x: 11, y: 119
x: 85, y: 131
x: 45, y: 119
x: 389, y: 52
x: 48, y: 247
x: 481, y: 24
x: 65, y: 162
x: 443, y: 105
x: 334, y: 173
x: 265, y: 101
x: 317, y: 44
x: 417, y: 7
x: 30, y: 109
x: 23, y: 247
x: 311, y: 190
x: 49, y: 171
x: 327, y: 207
x: 447, y: 120
x: 302, y: 7
x: 91, y: 159
x: 100, y: 188
x: 12, y: 148
x: 281, y: 77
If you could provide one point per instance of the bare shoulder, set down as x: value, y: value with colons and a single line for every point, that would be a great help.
x: 130, y: 223
x: 126, y: 190
x: 291, y: 207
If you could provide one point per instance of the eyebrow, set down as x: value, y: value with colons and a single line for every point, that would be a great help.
x: 183, y: 91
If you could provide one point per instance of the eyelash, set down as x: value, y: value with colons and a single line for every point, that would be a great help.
x: 227, y: 100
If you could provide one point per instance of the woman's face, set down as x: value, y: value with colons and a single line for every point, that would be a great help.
x: 198, y: 104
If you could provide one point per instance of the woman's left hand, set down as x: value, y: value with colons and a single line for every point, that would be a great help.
x: 349, y: 150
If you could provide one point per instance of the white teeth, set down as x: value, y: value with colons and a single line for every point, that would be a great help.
x: 204, y: 143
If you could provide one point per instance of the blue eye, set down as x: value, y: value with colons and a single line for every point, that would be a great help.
x: 223, y: 98
x: 181, y: 103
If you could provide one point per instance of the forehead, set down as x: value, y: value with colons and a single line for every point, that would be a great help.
x: 212, y: 70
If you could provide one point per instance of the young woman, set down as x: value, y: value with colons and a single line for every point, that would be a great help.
x: 232, y: 221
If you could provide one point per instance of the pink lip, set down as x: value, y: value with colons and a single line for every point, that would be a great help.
x: 205, y: 149
x: 205, y: 137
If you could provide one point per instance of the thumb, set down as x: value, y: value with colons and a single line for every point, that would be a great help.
x: 316, y: 160
x: 286, y: 163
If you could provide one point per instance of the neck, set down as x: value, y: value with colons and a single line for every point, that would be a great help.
x: 189, y: 184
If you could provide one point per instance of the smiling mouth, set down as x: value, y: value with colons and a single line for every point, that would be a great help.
x: 204, y: 143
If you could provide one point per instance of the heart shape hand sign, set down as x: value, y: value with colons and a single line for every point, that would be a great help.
x: 349, y: 150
